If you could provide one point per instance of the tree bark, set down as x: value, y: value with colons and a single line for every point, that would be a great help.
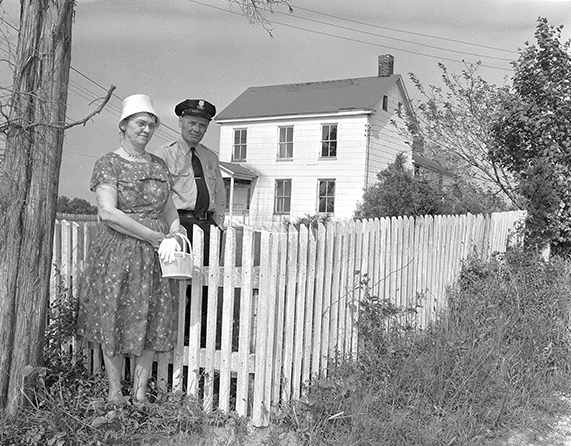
x: 29, y: 180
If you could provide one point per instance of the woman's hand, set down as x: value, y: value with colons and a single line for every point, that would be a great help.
x: 118, y: 220
x: 155, y: 238
x: 167, y: 249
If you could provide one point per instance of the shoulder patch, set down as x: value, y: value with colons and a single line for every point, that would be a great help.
x: 207, y: 148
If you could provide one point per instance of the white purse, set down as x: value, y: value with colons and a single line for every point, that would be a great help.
x: 182, y: 266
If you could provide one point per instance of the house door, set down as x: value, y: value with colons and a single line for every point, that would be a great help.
x: 241, y: 198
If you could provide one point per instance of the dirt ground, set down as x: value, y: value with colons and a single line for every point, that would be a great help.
x: 557, y: 434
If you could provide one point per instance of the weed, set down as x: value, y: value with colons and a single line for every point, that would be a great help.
x: 488, y: 363
x: 491, y: 361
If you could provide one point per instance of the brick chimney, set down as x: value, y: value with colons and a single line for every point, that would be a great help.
x: 386, y: 65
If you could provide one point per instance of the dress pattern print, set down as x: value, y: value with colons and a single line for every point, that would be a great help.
x: 125, y: 303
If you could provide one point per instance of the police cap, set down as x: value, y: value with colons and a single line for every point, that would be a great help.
x: 195, y: 107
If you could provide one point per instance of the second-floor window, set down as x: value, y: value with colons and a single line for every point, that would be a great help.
x: 239, y: 147
x: 285, y: 144
x: 329, y: 140
x: 326, y: 196
x: 282, y: 199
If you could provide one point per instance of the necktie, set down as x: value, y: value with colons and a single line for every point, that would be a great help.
x: 202, y: 198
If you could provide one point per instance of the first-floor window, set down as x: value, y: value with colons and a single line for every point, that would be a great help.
x: 282, y: 202
x: 326, y: 196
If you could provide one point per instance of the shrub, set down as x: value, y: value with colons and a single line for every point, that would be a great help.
x: 497, y: 353
x: 66, y: 405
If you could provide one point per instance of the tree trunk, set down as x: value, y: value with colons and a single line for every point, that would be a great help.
x: 29, y: 179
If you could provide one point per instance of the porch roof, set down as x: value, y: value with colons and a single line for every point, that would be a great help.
x: 236, y: 171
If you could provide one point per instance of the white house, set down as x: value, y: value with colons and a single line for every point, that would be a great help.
x: 302, y: 149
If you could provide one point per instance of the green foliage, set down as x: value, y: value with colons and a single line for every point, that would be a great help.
x: 533, y: 135
x: 312, y: 220
x: 75, y: 206
x: 398, y: 192
x: 66, y: 405
x: 452, y: 124
x: 489, y: 363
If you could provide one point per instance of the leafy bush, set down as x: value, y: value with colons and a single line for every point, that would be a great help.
x: 399, y: 191
x: 492, y: 360
x: 311, y: 221
x: 66, y: 405
x: 532, y: 135
x: 498, y: 353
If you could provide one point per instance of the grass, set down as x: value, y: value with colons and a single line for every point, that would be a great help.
x: 493, y: 362
x: 490, y: 364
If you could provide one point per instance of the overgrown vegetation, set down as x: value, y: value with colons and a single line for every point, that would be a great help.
x: 492, y: 362
x: 532, y: 134
x: 65, y: 405
x: 399, y: 191
x: 489, y: 364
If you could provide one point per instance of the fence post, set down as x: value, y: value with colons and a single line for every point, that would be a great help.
x: 320, y: 278
x: 260, y: 410
x: 246, y: 292
x: 227, y: 319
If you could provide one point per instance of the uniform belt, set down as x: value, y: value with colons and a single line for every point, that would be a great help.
x: 187, y: 213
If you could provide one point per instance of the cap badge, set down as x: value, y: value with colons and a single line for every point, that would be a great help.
x: 201, y: 105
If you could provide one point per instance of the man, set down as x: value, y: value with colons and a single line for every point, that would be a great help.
x: 198, y: 191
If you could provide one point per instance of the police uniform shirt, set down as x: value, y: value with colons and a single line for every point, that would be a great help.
x: 178, y: 158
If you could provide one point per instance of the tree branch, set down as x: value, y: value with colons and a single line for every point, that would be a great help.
x: 95, y: 112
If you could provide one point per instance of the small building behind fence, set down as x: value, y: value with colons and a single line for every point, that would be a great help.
x: 281, y: 301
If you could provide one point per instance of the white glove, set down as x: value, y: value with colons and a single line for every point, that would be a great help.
x: 167, y: 248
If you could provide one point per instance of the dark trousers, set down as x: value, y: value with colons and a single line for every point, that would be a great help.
x: 188, y: 222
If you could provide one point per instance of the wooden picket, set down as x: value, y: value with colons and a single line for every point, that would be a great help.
x: 289, y: 297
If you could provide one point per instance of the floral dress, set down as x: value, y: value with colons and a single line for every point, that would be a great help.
x: 124, y: 302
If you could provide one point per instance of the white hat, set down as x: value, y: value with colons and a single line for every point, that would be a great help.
x: 138, y: 103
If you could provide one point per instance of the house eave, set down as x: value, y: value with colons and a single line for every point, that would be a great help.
x: 329, y: 115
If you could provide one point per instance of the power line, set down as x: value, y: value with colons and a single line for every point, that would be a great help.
x: 408, y: 31
x: 117, y: 110
x: 354, y: 40
x: 396, y: 38
x: 92, y: 96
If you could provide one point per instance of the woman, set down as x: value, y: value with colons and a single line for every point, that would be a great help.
x: 125, y: 304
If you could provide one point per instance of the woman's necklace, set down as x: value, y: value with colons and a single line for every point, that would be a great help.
x: 135, y: 156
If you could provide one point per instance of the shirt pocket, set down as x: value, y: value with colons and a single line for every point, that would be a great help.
x: 180, y: 174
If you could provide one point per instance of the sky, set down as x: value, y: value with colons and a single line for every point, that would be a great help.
x: 207, y: 49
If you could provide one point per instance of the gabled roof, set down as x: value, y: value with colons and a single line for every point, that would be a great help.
x: 359, y: 94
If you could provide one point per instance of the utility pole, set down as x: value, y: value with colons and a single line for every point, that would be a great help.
x: 29, y: 178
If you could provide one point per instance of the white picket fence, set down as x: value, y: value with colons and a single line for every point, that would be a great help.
x: 281, y: 301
